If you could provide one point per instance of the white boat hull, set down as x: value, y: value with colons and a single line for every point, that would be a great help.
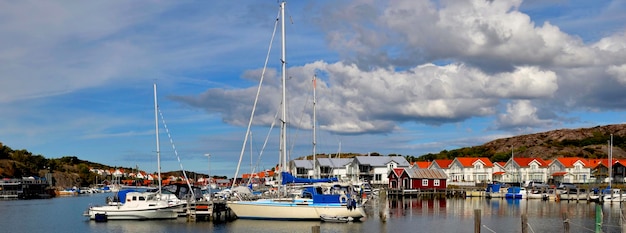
x: 290, y: 210
x: 146, y: 214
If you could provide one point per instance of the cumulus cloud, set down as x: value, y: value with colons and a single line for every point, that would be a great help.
x: 521, y: 115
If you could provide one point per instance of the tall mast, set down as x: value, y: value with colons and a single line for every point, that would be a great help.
x: 611, y: 160
x: 283, y: 125
x: 315, y: 173
x: 156, y: 127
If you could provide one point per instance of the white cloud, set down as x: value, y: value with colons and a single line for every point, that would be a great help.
x: 618, y: 73
x: 521, y: 115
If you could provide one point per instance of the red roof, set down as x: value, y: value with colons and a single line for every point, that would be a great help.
x: 443, y: 163
x: 423, y: 164
x: 559, y: 173
x: 525, y: 162
x: 469, y: 161
x: 570, y: 161
x: 398, y: 171
x: 498, y: 173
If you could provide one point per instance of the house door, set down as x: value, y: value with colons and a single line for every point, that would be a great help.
x: 405, y: 183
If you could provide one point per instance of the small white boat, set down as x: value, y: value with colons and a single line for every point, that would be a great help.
x: 614, y: 195
x: 340, y: 219
x: 138, y: 206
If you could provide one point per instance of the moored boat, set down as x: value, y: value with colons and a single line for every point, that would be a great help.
x: 312, y: 201
x: 137, y: 206
x: 338, y: 219
x: 515, y: 192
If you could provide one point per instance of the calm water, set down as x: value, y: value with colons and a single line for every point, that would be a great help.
x: 408, y: 215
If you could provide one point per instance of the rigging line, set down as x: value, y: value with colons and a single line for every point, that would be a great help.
x: 269, y: 132
x: 300, y: 126
x: 176, y: 152
x: 266, y: 139
x: 256, y: 99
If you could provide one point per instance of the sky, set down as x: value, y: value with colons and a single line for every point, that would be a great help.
x: 406, y: 77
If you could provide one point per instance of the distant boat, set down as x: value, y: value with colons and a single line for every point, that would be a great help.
x: 515, y: 192
x: 493, y: 191
x: 68, y: 192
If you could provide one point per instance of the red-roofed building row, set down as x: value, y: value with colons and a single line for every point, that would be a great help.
x: 470, y: 170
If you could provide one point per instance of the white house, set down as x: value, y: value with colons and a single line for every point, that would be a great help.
x: 570, y: 170
x: 301, y: 168
x: 375, y: 169
x: 526, y: 169
x: 471, y: 169
x: 340, y: 168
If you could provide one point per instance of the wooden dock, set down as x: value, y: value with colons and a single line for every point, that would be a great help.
x: 428, y: 193
x: 215, y: 211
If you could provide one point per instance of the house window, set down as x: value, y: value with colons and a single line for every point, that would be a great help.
x: 424, y: 182
x: 436, y: 183
x: 378, y: 177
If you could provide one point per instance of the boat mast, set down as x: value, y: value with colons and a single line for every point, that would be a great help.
x: 283, y: 122
x: 611, y: 161
x: 315, y: 173
x: 156, y: 124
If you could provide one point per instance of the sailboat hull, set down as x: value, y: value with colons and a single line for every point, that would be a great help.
x: 291, y: 210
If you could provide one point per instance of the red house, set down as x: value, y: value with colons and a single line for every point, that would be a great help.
x: 417, y: 178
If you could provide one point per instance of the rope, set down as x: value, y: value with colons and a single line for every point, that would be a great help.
x: 485, y: 226
x: 581, y: 226
x: 256, y: 99
x: 176, y: 153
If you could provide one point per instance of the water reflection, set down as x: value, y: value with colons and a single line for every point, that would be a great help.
x: 502, y: 215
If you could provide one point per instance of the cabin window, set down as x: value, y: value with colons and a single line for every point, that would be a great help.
x: 134, y: 198
x: 424, y: 182
x: 436, y: 183
x: 142, y: 198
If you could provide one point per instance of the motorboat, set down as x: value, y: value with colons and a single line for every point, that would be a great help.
x: 137, y: 206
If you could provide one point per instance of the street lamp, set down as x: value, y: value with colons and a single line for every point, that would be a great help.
x: 209, y: 171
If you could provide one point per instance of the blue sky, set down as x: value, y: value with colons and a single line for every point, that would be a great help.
x: 407, y: 77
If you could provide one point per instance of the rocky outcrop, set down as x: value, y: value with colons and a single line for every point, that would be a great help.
x: 563, y: 143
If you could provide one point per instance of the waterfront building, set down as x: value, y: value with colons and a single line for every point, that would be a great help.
x: 519, y: 169
x: 570, y: 170
x: 471, y: 169
x: 302, y: 168
x: 375, y: 169
x: 340, y: 168
x: 417, y: 178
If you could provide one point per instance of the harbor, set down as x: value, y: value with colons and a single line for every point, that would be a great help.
x: 64, y: 214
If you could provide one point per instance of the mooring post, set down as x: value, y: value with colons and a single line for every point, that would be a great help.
x: 524, y: 223
x: 622, y: 218
x: 565, y: 222
x: 599, y: 219
x: 476, y: 220
x: 383, y: 205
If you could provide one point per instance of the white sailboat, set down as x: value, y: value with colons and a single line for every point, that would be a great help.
x: 141, y: 205
x: 312, y: 202
x: 610, y: 194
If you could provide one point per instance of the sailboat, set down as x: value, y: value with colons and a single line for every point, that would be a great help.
x: 140, y: 205
x: 313, y: 201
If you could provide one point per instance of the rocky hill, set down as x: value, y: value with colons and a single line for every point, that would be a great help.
x: 583, y: 142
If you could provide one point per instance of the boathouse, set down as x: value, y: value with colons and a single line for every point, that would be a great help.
x: 417, y: 178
